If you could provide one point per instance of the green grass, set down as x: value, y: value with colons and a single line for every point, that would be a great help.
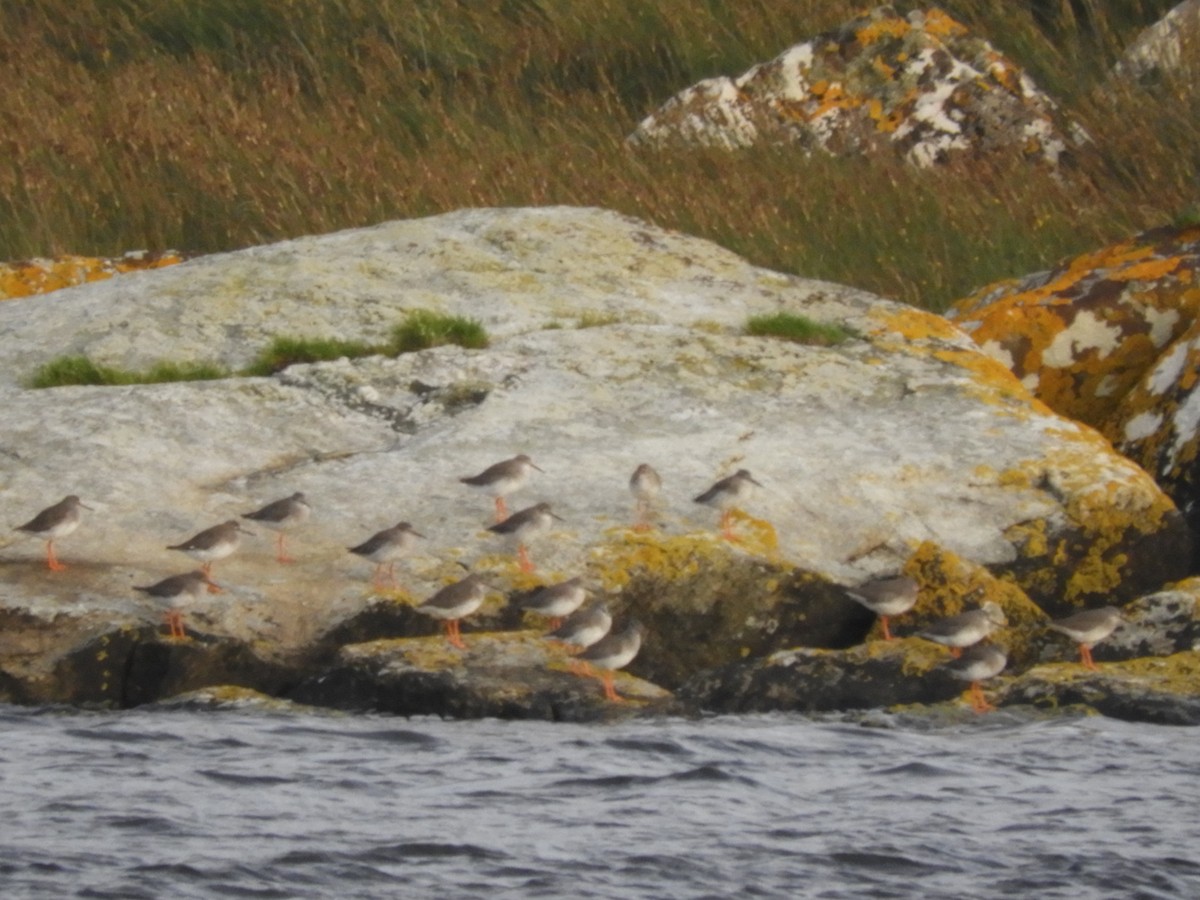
x: 233, y: 123
x: 80, y: 370
x: 287, y: 351
x: 798, y: 329
x: 420, y: 330
x: 424, y: 329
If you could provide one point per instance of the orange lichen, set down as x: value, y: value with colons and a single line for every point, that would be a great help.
x: 28, y: 277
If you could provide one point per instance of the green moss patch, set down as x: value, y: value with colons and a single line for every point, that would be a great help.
x: 798, y: 329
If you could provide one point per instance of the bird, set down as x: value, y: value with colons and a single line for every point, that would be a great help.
x: 645, y: 484
x: 280, y: 516
x: 887, y: 597
x: 966, y: 628
x: 520, y: 526
x: 385, y: 547
x: 978, y: 663
x: 502, y: 479
x: 175, y: 590
x: 212, y: 544
x: 454, y: 602
x: 54, y: 522
x: 1089, y: 628
x: 557, y: 601
x: 613, y: 652
x: 584, y: 627
x: 725, y: 494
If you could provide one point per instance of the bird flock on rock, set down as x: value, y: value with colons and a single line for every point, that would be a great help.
x: 587, y: 630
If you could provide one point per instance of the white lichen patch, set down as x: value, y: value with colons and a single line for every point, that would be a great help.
x: 1143, y: 425
x: 1165, y: 375
x: 1087, y: 332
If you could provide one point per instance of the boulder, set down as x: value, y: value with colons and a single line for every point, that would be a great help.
x: 613, y: 343
x: 1165, y: 50
x: 918, y: 86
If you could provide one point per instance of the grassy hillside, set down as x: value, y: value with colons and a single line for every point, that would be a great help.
x: 206, y: 125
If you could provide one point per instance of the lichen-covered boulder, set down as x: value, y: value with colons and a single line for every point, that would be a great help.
x: 1110, y: 338
x: 514, y: 675
x: 918, y: 86
x: 613, y: 343
x: 39, y: 276
x: 1166, y: 49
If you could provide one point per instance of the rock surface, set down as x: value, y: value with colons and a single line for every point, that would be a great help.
x: 613, y: 343
x: 919, y: 86
x: 1110, y: 338
x: 1166, y: 49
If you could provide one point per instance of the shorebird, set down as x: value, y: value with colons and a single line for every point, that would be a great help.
x: 212, y: 544
x: 176, y: 590
x: 645, y: 484
x: 557, y: 601
x: 725, y: 494
x: 502, y: 479
x: 385, y: 547
x: 887, y: 597
x: 979, y: 663
x: 584, y: 627
x: 522, y: 525
x: 54, y: 522
x: 280, y: 516
x: 966, y: 628
x: 454, y: 602
x: 613, y: 652
x: 1088, y: 628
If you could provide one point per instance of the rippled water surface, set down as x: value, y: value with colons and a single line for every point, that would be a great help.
x: 258, y: 804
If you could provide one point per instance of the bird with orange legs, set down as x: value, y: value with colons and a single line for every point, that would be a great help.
x: 522, y: 525
x: 965, y: 629
x: 385, y: 547
x: 557, y: 601
x: 978, y: 664
x: 887, y: 597
x: 280, y: 516
x: 176, y: 590
x: 55, y: 522
x: 725, y: 496
x: 453, y: 603
x: 1089, y: 628
x: 213, y: 544
x: 611, y: 653
x: 501, y: 479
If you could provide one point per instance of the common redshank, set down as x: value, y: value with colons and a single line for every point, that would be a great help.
x: 213, y: 544
x: 454, y: 602
x: 966, y: 628
x: 523, y: 525
x: 584, y: 626
x: 887, y: 597
x: 978, y: 663
x: 385, y: 547
x: 1088, y: 628
x: 176, y: 590
x: 725, y: 496
x: 557, y: 601
x: 54, y: 522
x: 613, y: 652
x: 280, y: 516
x: 645, y: 484
x: 501, y: 479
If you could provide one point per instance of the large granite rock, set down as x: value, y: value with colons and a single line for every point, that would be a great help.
x: 918, y: 86
x: 613, y: 343
x: 1110, y: 338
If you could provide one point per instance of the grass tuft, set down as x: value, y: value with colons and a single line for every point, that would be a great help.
x: 798, y: 329
x: 288, y: 351
x: 424, y: 329
x: 79, y: 370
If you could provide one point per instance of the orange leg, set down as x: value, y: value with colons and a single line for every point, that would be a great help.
x: 501, y: 509
x: 979, y: 702
x: 523, y: 559
x: 582, y: 669
x: 887, y: 635
x: 641, y: 517
x: 280, y: 552
x: 610, y: 692
x: 956, y: 652
x: 1085, y: 657
x: 174, y: 619
x: 52, y: 562
x: 727, y: 525
x: 377, y: 579
x: 453, y: 635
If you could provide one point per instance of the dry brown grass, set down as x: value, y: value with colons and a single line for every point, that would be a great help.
x: 207, y: 125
